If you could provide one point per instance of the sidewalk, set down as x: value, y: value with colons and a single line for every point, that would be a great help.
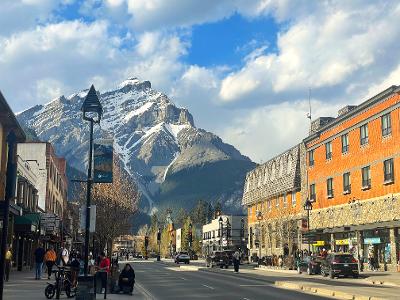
x: 23, y: 286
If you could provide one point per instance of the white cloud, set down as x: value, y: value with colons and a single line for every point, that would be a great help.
x: 269, y: 130
x: 323, y: 50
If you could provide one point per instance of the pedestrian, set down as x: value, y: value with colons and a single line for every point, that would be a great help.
x: 65, y: 255
x: 8, y: 263
x: 39, y: 258
x: 50, y: 259
x: 103, y: 270
x: 236, y: 261
x: 126, y: 279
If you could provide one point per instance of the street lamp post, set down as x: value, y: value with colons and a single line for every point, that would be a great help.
x: 220, y: 220
x: 308, y: 208
x: 190, y: 238
x: 159, y: 243
x: 92, y: 112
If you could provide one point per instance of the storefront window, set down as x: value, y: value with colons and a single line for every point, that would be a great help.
x: 377, y: 242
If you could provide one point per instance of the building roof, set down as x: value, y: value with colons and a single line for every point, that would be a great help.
x: 8, y: 119
x: 278, y: 175
x: 350, y: 111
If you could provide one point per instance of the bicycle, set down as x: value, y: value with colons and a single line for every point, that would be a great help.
x: 63, y: 283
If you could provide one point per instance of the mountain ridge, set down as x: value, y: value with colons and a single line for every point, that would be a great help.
x: 155, y: 140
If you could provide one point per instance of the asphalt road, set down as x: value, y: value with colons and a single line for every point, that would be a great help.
x: 163, y: 281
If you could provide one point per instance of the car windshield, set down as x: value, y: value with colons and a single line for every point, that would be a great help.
x: 183, y: 253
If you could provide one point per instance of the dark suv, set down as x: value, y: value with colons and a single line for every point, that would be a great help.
x: 217, y: 258
x: 336, y: 265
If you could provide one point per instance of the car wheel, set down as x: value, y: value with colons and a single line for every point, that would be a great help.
x: 309, y: 271
x: 298, y: 270
x: 331, y: 275
x: 226, y: 267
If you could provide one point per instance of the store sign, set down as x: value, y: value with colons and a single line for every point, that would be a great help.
x: 342, y: 242
x: 103, y: 161
x: 319, y: 243
x: 374, y: 240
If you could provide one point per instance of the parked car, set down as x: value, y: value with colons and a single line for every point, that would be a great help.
x: 217, y: 258
x: 336, y: 265
x: 230, y: 256
x: 310, y: 264
x: 182, y: 257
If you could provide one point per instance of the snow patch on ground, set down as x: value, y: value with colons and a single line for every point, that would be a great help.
x: 174, y: 129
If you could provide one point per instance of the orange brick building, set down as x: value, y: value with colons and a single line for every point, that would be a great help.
x: 353, y: 167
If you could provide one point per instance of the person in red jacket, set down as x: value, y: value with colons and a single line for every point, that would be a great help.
x: 103, y: 270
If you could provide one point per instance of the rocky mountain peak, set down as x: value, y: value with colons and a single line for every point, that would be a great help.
x: 156, y: 141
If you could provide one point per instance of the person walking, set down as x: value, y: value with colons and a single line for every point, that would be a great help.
x: 65, y: 255
x: 50, y: 259
x: 39, y: 258
x: 236, y: 261
x: 8, y: 263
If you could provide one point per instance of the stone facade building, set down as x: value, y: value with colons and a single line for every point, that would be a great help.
x: 272, y: 195
x: 353, y: 167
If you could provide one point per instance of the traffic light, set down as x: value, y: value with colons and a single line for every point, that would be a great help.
x: 190, y: 234
x: 159, y: 234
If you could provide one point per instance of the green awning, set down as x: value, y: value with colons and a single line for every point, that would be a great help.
x: 28, y: 219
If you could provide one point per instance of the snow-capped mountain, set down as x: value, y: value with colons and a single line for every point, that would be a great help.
x: 173, y: 162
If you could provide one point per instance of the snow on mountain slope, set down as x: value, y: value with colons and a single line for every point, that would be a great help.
x: 154, y: 139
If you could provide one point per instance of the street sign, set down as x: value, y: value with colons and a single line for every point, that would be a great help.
x: 103, y: 161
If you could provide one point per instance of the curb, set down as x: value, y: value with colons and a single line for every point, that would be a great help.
x: 379, y: 282
x: 189, y: 268
x: 323, y: 291
x: 263, y: 268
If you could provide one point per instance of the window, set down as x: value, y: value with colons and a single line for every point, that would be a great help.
x: 277, y: 201
x: 312, y: 192
x: 293, y: 199
x: 345, y: 143
x: 388, y: 171
x: 311, y: 158
x: 386, y: 125
x: 328, y: 150
x: 284, y: 200
x: 366, y: 177
x: 346, y: 183
x: 329, y: 187
x: 269, y: 205
x: 364, y: 134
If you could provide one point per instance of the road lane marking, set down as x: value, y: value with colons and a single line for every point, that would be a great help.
x: 246, y: 299
x: 207, y: 286
x: 183, y: 278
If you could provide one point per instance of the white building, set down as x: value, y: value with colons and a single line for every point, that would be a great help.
x: 226, y: 232
x: 178, y: 239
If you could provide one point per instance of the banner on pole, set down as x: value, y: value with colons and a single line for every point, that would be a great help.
x: 92, y: 227
x: 103, y: 161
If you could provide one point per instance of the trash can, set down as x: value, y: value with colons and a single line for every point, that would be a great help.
x: 85, y: 290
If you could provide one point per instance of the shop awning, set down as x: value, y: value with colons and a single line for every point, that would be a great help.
x: 28, y: 219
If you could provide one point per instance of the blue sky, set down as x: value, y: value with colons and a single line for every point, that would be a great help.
x: 242, y: 67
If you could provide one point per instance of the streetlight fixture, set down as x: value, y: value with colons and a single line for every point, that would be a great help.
x: 259, y: 217
x: 220, y: 220
x: 92, y: 112
x: 308, y: 207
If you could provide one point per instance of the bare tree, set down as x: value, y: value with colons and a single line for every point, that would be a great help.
x: 115, y: 205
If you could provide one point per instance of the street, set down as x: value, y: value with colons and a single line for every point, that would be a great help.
x: 165, y: 281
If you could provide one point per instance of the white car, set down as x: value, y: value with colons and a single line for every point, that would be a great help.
x: 182, y: 257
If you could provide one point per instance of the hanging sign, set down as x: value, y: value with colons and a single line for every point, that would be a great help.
x: 103, y: 161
